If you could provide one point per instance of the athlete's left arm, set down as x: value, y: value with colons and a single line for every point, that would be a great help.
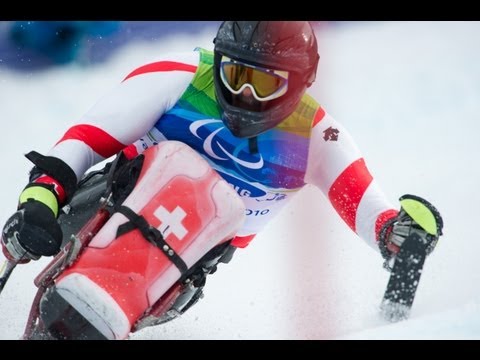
x: 336, y: 166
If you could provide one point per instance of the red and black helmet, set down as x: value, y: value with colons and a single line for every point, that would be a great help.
x: 289, y: 46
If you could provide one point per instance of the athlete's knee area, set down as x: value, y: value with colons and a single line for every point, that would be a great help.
x: 61, y: 321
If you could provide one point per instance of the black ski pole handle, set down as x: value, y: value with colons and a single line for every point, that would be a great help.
x: 5, y: 272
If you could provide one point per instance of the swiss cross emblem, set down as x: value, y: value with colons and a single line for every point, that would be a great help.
x: 171, y: 222
x: 330, y: 134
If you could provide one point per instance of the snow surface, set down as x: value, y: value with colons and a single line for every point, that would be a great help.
x: 409, y: 93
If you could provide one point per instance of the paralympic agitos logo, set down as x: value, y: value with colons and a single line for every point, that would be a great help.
x: 218, y: 152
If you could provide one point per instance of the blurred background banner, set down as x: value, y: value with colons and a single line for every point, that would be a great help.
x: 33, y: 45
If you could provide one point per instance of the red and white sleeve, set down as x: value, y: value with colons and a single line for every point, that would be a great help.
x: 336, y: 166
x: 127, y: 112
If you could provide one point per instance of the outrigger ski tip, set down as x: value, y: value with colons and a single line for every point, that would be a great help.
x: 404, y: 279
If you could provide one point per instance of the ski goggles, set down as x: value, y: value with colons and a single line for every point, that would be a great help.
x: 266, y: 84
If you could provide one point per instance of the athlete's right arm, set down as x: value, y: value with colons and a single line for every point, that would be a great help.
x: 118, y: 119
x: 127, y: 112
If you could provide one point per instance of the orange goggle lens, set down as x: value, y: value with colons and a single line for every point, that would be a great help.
x: 267, y: 84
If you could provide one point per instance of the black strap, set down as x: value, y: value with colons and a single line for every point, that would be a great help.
x: 150, y: 233
x: 253, y: 145
x: 56, y: 168
x: 123, y: 176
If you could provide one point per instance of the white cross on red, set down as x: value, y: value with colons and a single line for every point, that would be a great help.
x: 171, y: 222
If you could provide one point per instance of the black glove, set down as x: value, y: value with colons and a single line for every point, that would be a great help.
x: 416, y: 215
x: 33, y: 230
